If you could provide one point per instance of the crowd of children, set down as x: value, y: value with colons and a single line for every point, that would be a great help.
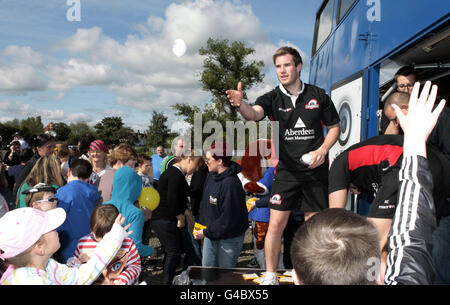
x: 77, y: 219
x: 63, y: 210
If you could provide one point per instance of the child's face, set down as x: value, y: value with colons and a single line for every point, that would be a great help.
x: 144, y: 168
x: 45, y: 204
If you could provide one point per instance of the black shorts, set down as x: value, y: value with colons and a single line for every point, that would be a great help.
x: 311, y: 194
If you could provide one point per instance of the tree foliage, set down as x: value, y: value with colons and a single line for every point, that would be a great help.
x: 62, y: 131
x: 76, y: 131
x: 158, y: 132
x: 225, y: 64
x: 6, y: 131
x: 112, y: 131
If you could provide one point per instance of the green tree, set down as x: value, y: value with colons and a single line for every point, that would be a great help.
x: 112, y: 131
x: 15, y: 123
x: 77, y: 130
x: 6, y: 131
x: 225, y: 64
x: 62, y: 131
x: 28, y: 127
x: 158, y: 132
x: 31, y: 126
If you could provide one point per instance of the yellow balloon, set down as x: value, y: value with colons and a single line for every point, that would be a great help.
x: 149, y: 198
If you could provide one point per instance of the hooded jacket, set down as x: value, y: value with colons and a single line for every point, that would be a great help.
x: 222, y: 209
x: 127, y: 187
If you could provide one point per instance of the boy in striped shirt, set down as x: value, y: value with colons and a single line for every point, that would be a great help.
x: 125, y: 268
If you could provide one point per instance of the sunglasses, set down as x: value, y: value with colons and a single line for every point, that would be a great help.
x: 53, y: 199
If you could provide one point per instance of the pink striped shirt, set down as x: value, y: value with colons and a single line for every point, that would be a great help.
x: 132, y: 269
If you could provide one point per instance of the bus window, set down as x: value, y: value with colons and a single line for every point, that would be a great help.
x: 343, y: 7
x: 324, y: 23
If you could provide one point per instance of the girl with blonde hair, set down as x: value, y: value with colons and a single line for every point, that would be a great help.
x: 46, y: 170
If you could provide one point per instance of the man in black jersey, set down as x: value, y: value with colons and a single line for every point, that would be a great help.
x: 301, y: 111
x: 371, y: 167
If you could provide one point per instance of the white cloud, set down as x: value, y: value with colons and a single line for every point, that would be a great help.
x: 19, y: 70
x: 83, y: 40
x: 196, y: 21
x: 133, y: 90
x: 22, y: 55
x: 76, y: 73
x: 158, y: 77
x: 19, y: 78
x: 18, y: 109
x: 78, y: 117
x: 141, y: 71
x: 15, y: 108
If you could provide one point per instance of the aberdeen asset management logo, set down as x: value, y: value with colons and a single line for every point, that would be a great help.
x: 276, y: 199
x: 299, y: 123
x: 312, y: 104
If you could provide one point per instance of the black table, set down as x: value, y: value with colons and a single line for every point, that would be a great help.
x: 223, y: 276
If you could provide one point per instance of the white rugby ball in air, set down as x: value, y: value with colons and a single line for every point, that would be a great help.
x: 179, y: 47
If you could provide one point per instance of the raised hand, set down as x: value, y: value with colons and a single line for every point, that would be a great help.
x: 120, y: 220
x: 235, y: 96
x: 421, y: 118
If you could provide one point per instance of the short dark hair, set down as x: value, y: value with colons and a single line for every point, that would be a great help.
x: 397, y: 98
x: 102, y: 219
x: 288, y: 50
x: 405, y: 71
x: 25, y: 155
x: 142, y: 158
x: 334, y: 248
x: 63, y: 151
x: 81, y: 168
x: 41, y: 140
x: 221, y: 150
x: 85, y: 141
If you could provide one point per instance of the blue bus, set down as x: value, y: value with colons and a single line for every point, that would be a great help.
x: 358, y: 46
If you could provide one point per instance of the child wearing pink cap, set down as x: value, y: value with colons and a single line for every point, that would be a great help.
x: 28, y: 239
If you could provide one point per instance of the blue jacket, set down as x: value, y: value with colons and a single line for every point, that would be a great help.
x: 127, y: 187
x: 78, y: 199
x: 261, y: 212
x: 222, y: 209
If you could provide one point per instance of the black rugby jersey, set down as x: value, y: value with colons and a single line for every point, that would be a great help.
x: 300, y: 127
x: 364, y: 163
x: 376, y: 161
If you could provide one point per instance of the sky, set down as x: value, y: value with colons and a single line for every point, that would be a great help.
x: 81, y: 60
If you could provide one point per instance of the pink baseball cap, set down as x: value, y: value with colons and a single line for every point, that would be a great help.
x: 21, y: 228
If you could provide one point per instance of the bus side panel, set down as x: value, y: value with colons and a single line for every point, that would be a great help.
x: 401, y: 21
x: 371, y: 31
x: 350, y: 53
x: 322, y: 66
